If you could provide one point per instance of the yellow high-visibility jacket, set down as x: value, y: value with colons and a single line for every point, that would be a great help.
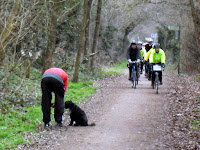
x: 157, y: 57
x: 148, y: 54
x: 143, y: 53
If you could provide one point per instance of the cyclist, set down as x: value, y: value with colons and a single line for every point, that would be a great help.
x: 157, y: 56
x: 133, y: 54
x: 149, y: 44
x: 147, y: 64
x: 148, y: 47
x: 143, y: 53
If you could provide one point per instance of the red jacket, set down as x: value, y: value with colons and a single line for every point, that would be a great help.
x: 61, y: 73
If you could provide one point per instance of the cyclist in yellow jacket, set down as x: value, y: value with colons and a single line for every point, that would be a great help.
x: 143, y: 53
x: 147, y: 64
x: 157, y: 56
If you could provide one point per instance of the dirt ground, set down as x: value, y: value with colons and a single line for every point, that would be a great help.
x: 125, y: 118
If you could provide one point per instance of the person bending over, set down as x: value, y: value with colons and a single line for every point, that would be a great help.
x: 54, y: 80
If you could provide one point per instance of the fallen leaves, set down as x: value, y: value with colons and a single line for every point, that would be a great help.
x: 184, y: 101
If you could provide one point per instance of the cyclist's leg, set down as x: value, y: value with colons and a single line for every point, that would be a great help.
x: 142, y: 66
x: 137, y: 71
x: 150, y: 71
x: 130, y: 71
x: 147, y: 67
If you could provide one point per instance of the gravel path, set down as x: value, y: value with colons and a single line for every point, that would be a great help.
x: 125, y: 118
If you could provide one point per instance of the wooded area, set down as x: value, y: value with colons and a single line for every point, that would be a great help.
x: 83, y: 37
x: 80, y: 36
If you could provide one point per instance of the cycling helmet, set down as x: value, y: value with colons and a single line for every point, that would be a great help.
x: 149, y: 40
x: 133, y: 42
x: 156, y: 45
x: 140, y: 42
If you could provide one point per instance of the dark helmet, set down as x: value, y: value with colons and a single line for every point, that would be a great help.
x: 156, y: 45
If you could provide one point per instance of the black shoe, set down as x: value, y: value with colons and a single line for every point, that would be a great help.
x: 161, y: 82
x: 153, y: 86
x: 129, y: 79
x: 59, y: 124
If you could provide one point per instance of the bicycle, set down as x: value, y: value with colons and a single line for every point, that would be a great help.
x: 134, y: 74
x: 156, y: 68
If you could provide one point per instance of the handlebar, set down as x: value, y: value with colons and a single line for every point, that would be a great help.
x: 133, y: 62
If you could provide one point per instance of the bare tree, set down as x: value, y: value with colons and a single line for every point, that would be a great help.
x: 195, y: 9
x: 6, y: 36
x: 87, y: 30
x: 96, y: 31
x: 80, y: 45
x: 51, y: 43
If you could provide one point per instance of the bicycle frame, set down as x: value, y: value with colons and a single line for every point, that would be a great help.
x: 156, y: 68
x: 134, y: 75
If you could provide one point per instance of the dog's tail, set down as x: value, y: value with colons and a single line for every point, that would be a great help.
x: 92, y: 124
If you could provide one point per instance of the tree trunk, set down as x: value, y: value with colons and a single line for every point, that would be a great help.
x: 96, y: 31
x: 125, y: 42
x: 6, y: 32
x: 80, y: 45
x: 195, y: 9
x: 87, y: 31
x: 27, y: 66
x: 51, y: 44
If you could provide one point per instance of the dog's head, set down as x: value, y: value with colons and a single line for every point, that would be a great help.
x: 69, y: 104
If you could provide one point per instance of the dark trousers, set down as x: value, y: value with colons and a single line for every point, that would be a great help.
x: 147, y: 67
x: 149, y: 71
x: 130, y: 70
x: 49, y: 85
x: 142, y: 64
x: 159, y: 76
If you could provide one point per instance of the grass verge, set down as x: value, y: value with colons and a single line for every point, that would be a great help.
x: 16, y: 123
x: 115, y: 69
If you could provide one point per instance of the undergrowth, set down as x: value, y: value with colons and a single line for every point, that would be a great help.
x: 20, y: 111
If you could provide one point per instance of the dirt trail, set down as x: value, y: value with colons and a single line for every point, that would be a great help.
x: 130, y: 119
x: 126, y: 119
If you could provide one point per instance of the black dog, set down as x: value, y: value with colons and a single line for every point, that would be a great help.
x: 77, y: 115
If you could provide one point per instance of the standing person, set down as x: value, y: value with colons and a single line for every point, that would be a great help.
x: 133, y: 54
x: 143, y: 53
x: 53, y: 80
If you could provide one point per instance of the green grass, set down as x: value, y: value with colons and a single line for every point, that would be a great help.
x: 196, y: 124
x: 14, y: 124
x: 17, y: 122
x: 78, y: 92
x: 198, y: 77
x: 116, y: 69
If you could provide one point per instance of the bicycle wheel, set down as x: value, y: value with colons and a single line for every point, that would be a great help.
x: 156, y: 82
x: 135, y: 84
x: 134, y: 79
x: 137, y: 77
